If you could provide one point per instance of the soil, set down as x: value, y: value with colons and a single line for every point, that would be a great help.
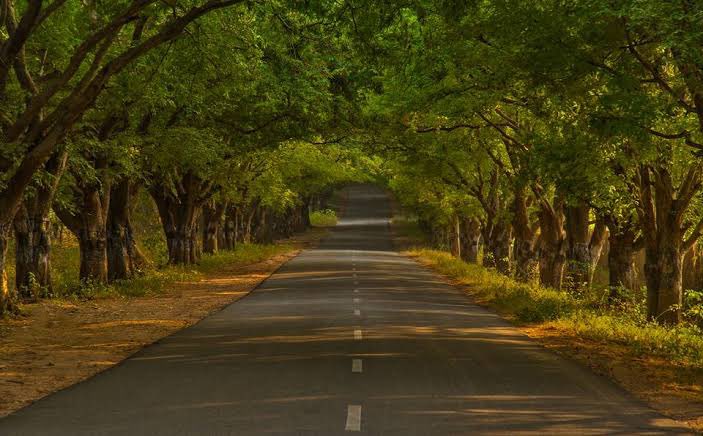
x: 57, y: 343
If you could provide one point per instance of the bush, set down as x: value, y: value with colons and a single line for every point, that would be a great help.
x: 323, y: 218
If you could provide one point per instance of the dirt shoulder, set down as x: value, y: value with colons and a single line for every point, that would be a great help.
x: 59, y: 343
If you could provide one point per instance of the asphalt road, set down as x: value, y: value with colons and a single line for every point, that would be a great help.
x: 347, y: 337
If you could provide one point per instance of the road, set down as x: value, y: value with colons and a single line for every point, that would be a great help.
x: 348, y: 337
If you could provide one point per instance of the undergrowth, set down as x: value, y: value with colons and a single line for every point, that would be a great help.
x: 323, y: 218
x: 155, y: 280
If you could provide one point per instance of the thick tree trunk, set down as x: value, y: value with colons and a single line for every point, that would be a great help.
x: 213, y: 214
x: 621, y: 260
x: 524, y: 247
x: 90, y: 228
x: 124, y: 259
x: 470, y: 238
x: 8, y: 298
x: 663, y: 273
x: 497, y: 244
x: 578, y: 247
x: 180, y: 228
x: 32, y: 234
x: 32, y: 252
x: 180, y: 214
x: 553, y: 245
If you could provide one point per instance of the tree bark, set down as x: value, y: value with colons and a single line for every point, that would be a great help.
x: 470, y: 239
x: 498, y: 248
x: 124, y: 259
x: 525, y: 239
x: 8, y: 297
x: 231, y: 228
x: 89, y: 226
x: 553, y: 244
x: 623, y: 246
x: 213, y: 215
x: 180, y: 213
x: 578, y: 247
x: 455, y: 234
x: 32, y: 234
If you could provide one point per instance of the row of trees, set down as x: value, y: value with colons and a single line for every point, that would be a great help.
x: 228, y: 113
x: 546, y: 128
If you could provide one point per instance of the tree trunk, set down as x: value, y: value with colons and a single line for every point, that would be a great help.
x: 621, y: 259
x: 470, y: 237
x: 231, y: 228
x: 90, y: 228
x: 32, y: 234
x: 663, y: 273
x: 578, y: 247
x: 124, y: 259
x: 524, y: 253
x: 8, y: 298
x: 455, y: 235
x: 180, y: 213
x: 213, y: 214
x: 553, y: 245
x: 32, y: 252
x: 498, y: 248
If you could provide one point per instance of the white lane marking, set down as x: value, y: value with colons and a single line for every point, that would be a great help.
x: 354, y: 275
x: 357, y: 312
x: 356, y: 300
x: 357, y: 366
x: 356, y: 291
x: 356, y: 282
x: 357, y: 335
x: 353, y: 418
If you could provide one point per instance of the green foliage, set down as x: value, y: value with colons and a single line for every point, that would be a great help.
x: 323, y: 218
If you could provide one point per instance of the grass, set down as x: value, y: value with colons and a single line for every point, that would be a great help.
x: 323, y: 218
x: 156, y: 280
x: 582, y: 316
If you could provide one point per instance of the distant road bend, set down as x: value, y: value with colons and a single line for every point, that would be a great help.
x: 348, y: 337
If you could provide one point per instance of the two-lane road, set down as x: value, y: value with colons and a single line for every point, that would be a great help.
x: 348, y: 337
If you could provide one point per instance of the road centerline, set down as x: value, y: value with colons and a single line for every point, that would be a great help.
x: 353, y: 418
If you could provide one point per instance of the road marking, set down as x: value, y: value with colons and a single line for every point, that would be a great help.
x: 356, y: 291
x: 353, y: 418
x: 354, y: 275
x: 356, y: 282
x: 357, y: 365
x: 356, y: 300
x: 357, y: 335
x: 357, y: 312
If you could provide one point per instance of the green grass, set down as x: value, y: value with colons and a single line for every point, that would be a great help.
x: 583, y: 316
x: 323, y: 218
x: 65, y: 271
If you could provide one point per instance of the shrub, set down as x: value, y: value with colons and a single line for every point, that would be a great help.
x: 323, y: 218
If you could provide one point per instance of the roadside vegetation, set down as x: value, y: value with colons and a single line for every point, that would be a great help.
x: 588, y: 315
x: 323, y: 218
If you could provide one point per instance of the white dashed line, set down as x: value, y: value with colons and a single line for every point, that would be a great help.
x: 354, y: 275
x: 357, y: 335
x: 357, y: 312
x: 353, y: 418
x: 357, y: 300
x: 357, y: 366
x: 356, y: 282
x: 356, y: 291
